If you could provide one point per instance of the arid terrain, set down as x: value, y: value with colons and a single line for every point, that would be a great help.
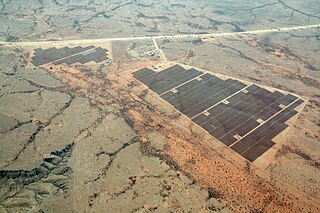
x: 79, y: 133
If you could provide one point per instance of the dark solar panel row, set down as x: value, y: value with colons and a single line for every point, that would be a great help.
x: 283, y: 100
x: 221, y: 108
x: 191, y: 88
x: 173, y: 81
x: 245, y: 113
x: 216, y: 94
x: 226, y: 109
x: 46, y: 56
x: 140, y: 74
x: 198, y: 94
x: 260, y: 140
x: 231, y: 115
x: 241, y: 114
x: 97, y: 55
x: 187, y: 87
x: 157, y: 77
x: 163, y: 81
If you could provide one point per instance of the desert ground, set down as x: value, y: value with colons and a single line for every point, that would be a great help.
x: 78, y: 134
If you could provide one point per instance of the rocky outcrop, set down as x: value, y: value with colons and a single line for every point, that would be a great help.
x: 23, y: 189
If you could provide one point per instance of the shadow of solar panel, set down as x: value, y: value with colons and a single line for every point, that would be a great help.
x: 244, y: 117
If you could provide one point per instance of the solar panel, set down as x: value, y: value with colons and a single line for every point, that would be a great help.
x: 68, y: 55
x: 245, y: 117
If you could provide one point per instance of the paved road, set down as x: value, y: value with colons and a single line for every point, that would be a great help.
x: 180, y: 36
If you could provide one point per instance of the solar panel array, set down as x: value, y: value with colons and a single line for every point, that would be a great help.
x: 245, y: 117
x: 68, y: 55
